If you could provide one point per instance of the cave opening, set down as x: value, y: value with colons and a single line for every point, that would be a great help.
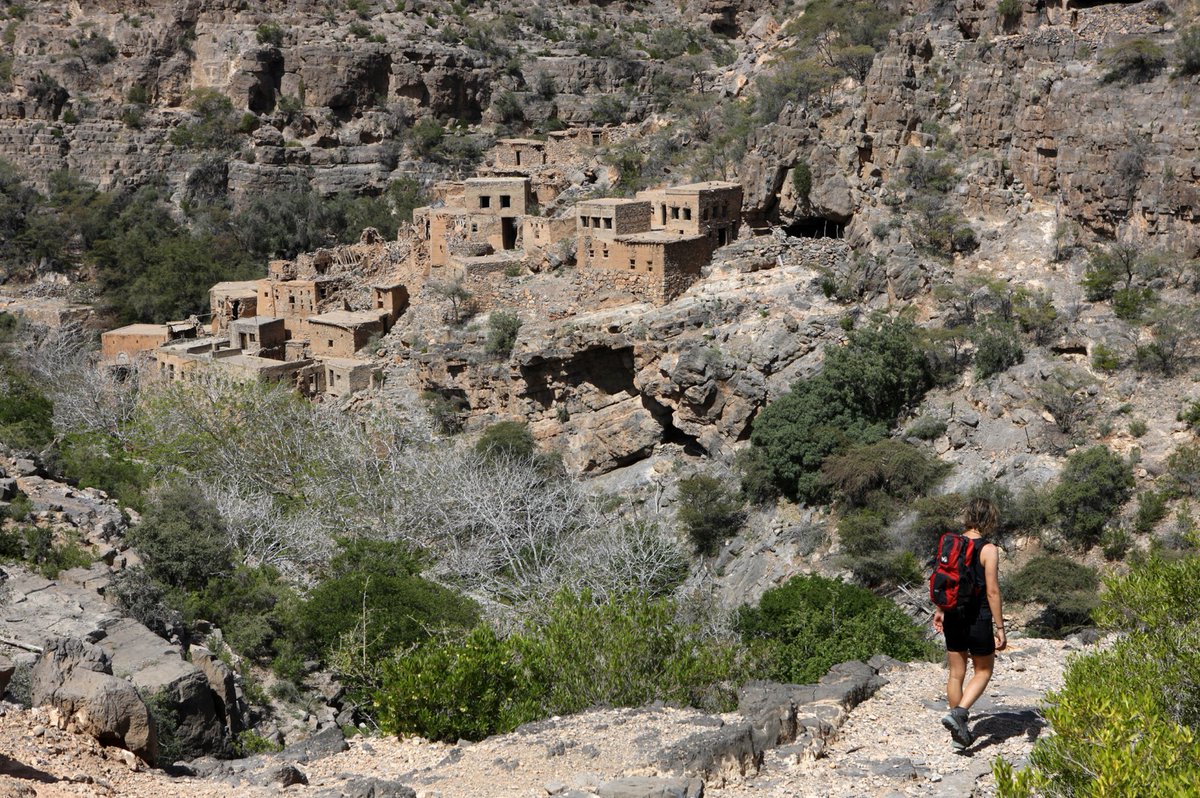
x: 816, y: 227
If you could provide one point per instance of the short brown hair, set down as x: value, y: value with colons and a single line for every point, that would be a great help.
x: 982, y: 515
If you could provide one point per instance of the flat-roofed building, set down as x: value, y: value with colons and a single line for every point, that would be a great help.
x: 341, y: 333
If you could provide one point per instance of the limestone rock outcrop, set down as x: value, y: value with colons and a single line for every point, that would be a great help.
x: 75, y: 679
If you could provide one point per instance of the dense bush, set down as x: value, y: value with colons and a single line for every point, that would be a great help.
x: 97, y: 460
x: 373, y: 593
x: 1133, y: 61
x: 1184, y: 467
x: 936, y: 515
x: 182, y: 539
x: 1190, y: 414
x: 926, y: 428
x: 26, y: 415
x: 860, y: 533
x: 1093, y: 486
x: 1187, y: 51
x: 856, y: 397
x: 1067, y: 589
x: 812, y: 623
x: 215, y: 126
x: 507, y: 439
x: 1126, y: 719
x: 625, y: 652
x: 997, y: 348
x: 872, y: 473
x: 1152, y: 508
x: 503, y: 327
x: 709, y: 512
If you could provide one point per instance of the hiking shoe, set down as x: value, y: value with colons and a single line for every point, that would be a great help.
x: 956, y: 722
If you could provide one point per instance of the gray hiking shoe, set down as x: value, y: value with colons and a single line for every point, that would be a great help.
x: 956, y: 721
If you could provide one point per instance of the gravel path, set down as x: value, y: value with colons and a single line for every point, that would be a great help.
x: 892, y: 745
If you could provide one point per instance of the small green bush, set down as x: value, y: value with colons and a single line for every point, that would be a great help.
x: 627, y: 651
x: 503, y: 327
x: 1152, y: 508
x: 1093, y: 486
x: 97, y: 460
x: 802, y: 180
x: 709, y: 512
x: 1105, y: 358
x: 149, y: 602
x: 863, y: 475
x: 26, y: 415
x: 269, y: 33
x: 936, y: 515
x: 860, y: 532
x: 1138, y: 427
x: 1187, y: 51
x: 812, y: 623
x: 757, y: 483
x: 926, y: 428
x: 1190, y: 414
x: 1184, y: 468
x: 378, y: 584
x: 507, y: 439
x: 1133, y: 61
x: 1009, y: 10
x: 1067, y: 588
x: 182, y: 539
x: 997, y: 348
x: 1124, y: 721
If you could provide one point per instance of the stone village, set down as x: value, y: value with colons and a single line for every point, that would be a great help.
x: 307, y: 321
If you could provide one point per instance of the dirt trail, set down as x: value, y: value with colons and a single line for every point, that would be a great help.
x: 891, y: 745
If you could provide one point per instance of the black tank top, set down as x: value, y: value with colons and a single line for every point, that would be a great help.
x: 979, y: 605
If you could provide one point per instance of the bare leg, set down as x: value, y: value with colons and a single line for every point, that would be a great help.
x: 957, y: 660
x: 979, y: 679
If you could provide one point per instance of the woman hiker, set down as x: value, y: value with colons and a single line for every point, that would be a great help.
x: 977, y: 629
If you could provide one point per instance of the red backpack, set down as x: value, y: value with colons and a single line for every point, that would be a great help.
x: 954, y: 582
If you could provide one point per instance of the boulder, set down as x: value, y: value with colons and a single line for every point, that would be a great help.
x: 74, y: 679
x: 651, y: 787
x: 372, y: 787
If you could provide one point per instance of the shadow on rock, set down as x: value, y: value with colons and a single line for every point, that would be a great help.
x: 1001, y: 726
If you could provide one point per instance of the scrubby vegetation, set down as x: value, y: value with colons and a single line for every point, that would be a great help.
x: 811, y: 623
x: 1126, y: 718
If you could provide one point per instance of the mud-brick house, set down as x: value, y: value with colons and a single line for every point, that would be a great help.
x: 341, y: 333
x: 122, y: 346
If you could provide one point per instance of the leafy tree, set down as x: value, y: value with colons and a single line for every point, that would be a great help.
x: 709, y: 512
x: 1094, y: 484
x: 812, y: 623
x: 997, y: 349
x: 182, y: 539
x: 216, y: 125
x: 859, y: 393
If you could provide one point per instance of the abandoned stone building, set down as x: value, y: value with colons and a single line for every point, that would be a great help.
x: 306, y: 322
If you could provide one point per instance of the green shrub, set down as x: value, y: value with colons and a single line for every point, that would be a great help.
x: 445, y: 411
x: 26, y: 415
x: 1009, y: 10
x: 802, y: 180
x: 48, y: 558
x: 216, y: 125
x: 507, y: 439
x: 1067, y: 588
x: 1125, y: 719
x: 812, y: 623
x: 1190, y: 415
x: 1129, y: 304
x: 376, y: 586
x: 1184, y: 468
x: 182, y: 539
x: 997, y: 348
x: 709, y: 512
x: 627, y: 651
x: 936, y: 515
x: 147, y: 601
x: 1187, y: 51
x: 757, y: 483
x: 862, y: 388
x: 889, y: 469
x: 1093, y: 486
x: 1105, y: 358
x: 503, y: 327
x: 860, y: 532
x: 251, y: 605
x: 1152, y: 508
x: 926, y: 428
x: 269, y: 33
x: 1138, y: 427
x: 1133, y: 61
x: 97, y: 460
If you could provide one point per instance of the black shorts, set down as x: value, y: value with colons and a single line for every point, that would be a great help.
x: 970, y: 631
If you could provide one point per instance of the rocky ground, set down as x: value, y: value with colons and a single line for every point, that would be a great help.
x: 890, y: 745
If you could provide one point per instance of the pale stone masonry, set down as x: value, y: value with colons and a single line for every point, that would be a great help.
x: 297, y: 325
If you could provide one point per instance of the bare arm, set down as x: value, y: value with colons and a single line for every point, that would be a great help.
x: 990, y: 557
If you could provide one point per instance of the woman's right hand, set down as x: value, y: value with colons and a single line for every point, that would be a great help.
x: 1001, y: 640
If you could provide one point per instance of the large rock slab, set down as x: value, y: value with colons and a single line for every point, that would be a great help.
x: 74, y: 679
